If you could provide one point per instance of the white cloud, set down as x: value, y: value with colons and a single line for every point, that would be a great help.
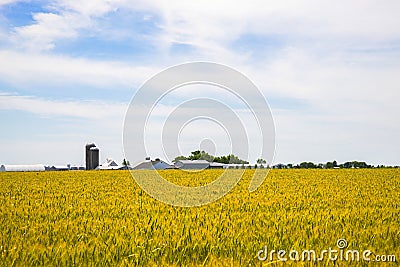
x: 6, y: 2
x: 48, y: 28
x: 210, y: 26
x: 64, y: 22
x: 80, y: 109
x: 87, y: 8
x: 27, y: 68
x: 333, y: 83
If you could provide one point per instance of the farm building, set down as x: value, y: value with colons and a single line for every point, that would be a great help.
x: 77, y: 168
x: 156, y: 164
x: 239, y: 166
x: 57, y: 168
x: 22, y: 168
x: 217, y: 165
x: 109, y: 164
x: 192, y: 164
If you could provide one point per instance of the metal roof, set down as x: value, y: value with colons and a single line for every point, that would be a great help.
x: 22, y: 168
x: 197, y: 161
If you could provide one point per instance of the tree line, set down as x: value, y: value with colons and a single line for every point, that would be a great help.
x: 331, y: 165
x: 202, y: 155
x: 233, y: 159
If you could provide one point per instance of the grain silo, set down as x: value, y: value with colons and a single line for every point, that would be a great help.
x: 92, y: 156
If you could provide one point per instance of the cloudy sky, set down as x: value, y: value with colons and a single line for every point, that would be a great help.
x: 328, y: 69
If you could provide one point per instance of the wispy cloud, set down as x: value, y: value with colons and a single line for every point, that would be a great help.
x: 48, y: 28
x: 23, y: 68
x: 77, y: 109
x: 63, y: 21
x: 5, y: 2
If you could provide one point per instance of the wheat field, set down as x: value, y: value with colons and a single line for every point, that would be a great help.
x: 96, y: 218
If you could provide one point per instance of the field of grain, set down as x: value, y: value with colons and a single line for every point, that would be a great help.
x: 104, y: 218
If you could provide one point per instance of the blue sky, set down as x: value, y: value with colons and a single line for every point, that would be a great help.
x: 328, y: 70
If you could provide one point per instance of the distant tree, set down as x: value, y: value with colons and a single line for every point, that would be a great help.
x: 179, y: 158
x: 362, y: 164
x: 197, y: 155
x: 348, y: 165
x: 126, y: 163
x: 307, y: 165
x: 194, y: 155
x: 261, y: 162
x: 230, y: 159
x: 205, y: 156
x: 202, y: 155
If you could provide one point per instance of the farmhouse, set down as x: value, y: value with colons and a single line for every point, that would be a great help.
x: 109, y: 164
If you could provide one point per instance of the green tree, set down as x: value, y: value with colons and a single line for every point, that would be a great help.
x: 202, y: 155
x: 230, y: 159
x: 307, y: 165
x: 195, y: 155
x: 261, y: 162
x: 126, y: 163
x: 179, y: 158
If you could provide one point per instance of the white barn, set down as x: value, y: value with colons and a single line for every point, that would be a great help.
x: 217, y: 165
x: 22, y: 168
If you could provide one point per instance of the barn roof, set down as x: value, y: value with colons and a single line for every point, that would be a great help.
x: 22, y: 168
x: 152, y: 164
x: 198, y: 161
